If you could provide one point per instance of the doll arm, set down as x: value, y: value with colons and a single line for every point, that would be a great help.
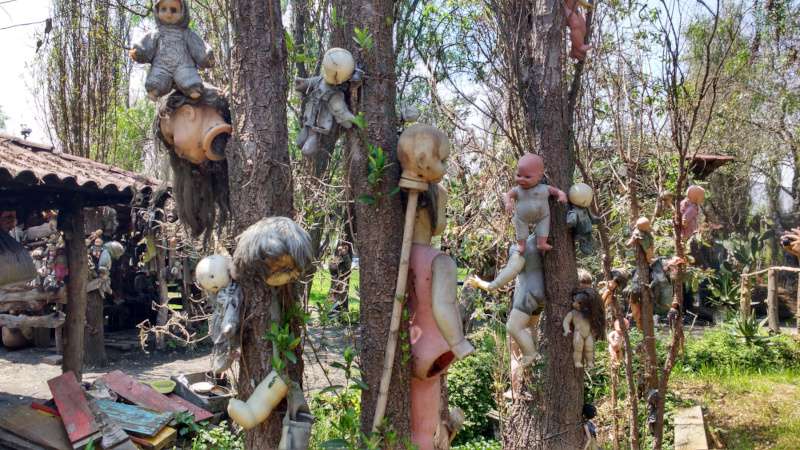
x: 144, y: 50
x: 572, y: 218
x: 567, y: 321
x: 340, y: 111
x: 201, y: 52
x: 302, y: 85
x: 555, y: 192
x: 509, y: 199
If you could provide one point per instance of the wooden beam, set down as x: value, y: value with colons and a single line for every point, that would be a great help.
x: 72, y: 223
x: 73, y: 408
x: 772, y: 303
x: 21, y: 321
x: 30, y: 300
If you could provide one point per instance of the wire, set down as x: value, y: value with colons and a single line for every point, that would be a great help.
x: 22, y: 24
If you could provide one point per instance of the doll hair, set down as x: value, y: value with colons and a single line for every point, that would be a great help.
x: 200, y: 192
x: 269, y: 239
x: 590, y: 306
x: 584, y: 277
x: 589, y: 412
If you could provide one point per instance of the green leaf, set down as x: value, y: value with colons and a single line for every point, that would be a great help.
x: 360, y: 121
x: 366, y: 199
x: 334, y: 444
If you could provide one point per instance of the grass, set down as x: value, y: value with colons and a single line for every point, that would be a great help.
x: 320, y: 286
x: 746, y: 410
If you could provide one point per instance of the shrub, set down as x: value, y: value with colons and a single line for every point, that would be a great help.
x: 479, y: 445
x: 470, y: 387
x: 217, y: 438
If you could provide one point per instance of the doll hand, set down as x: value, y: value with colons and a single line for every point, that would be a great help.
x: 132, y: 53
x: 567, y: 333
x: 562, y: 197
x: 510, y: 208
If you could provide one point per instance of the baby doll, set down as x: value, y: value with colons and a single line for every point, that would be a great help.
x: 325, y: 100
x: 577, y: 29
x: 615, y: 341
x: 579, y: 218
x: 584, y: 321
x: 643, y: 237
x: 528, y: 202
x: 173, y: 51
x: 588, y: 413
x: 690, y: 210
x: 528, y: 301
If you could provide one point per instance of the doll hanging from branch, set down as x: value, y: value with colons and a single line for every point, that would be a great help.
x: 585, y: 321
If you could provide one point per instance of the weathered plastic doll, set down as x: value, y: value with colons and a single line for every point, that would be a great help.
x: 325, y: 100
x: 529, y: 202
x: 615, y: 341
x: 690, y: 210
x: 586, y: 321
x: 173, y: 51
x: 643, y: 237
x: 577, y: 29
x: 588, y: 413
x: 579, y: 218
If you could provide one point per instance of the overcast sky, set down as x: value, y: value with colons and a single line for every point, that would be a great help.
x: 17, y: 49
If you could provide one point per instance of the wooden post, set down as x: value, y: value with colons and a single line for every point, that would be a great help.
x: 163, y: 292
x: 797, y: 309
x: 95, y: 341
x: 772, y: 303
x: 73, y: 227
x: 744, y: 297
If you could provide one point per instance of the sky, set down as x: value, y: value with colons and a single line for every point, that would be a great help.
x: 17, y: 49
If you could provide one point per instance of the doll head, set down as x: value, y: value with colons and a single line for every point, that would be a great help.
x: 423, y: 151
x: 530, y: 170
x: 696, y: 195
x: 275, y: 249
x: 790, y: 242
x: 197, y: 133
x: 213, y: 273
x: 643, y: 224
x: 582, y: 303
x: 169, y: 12
x: 585, y: 278
x: 589, y: 412
x: 338, y: 66
x: 581, y: 195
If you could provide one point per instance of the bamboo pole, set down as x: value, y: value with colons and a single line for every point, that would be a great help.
x: 414, y: 188
x: 772, y: 303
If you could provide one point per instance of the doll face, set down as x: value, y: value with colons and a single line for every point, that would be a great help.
x: 696, y: 194
x: 643, y: 224
x: 282, y: 270
x: 530, y: 171
x: 169, y: 12
x: 198, y: 133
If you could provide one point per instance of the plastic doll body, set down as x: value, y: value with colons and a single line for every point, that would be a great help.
x: 690, y: 210
x: 528, y: 297
x: 577, y: 30
x: 262, y: 401
x: 325, y: 104
x: 578, y: 322
x: 174, y: 51
x: 529, y: 202
x: 643, y: 237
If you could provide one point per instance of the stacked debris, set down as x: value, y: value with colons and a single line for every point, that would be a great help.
x: 115, y: 412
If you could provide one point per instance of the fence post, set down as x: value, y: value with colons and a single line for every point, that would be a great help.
x: 745, y: 297
x: 772, y: 303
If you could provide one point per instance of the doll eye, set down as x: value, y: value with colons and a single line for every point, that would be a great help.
x: 173, y: 10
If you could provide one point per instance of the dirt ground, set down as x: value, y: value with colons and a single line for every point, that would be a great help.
x: 24, y: 373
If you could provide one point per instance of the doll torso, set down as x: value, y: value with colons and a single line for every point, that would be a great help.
x: 581, y: 325
x: 431, y: 353
x: 532, y: 204
x: 690, y: 212
x: 317, y: 115
x: 531, y: 280
x: 583, y: 224
x: 172, y: 52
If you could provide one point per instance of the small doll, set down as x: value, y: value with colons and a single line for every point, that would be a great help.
x: 585, y: 327
x: 95, y: 251
x: 173, y: 51
x: 643, y: 237
x: 528, y: 202
x: 673, y: 315
x: 615, y: 341
x: 579, y: 218
x: 619, y: 279
x: 325, y: 100
x: 588, y: 413
x: 790, y: 242
x: 660, y: 284
x: 577, y: 28
x: 690, y: 210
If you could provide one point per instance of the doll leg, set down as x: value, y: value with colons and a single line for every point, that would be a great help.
x: 513, y: 268
x: 542, y: 233
x: 311, y: 145
x: 445, y: 308
x: 521, y: 232
x: 189, y: 82
x: 577, y: 349
x: 158, y: 82
x: 588, y: 351
x: 517, y: 327
x: 262, y: 401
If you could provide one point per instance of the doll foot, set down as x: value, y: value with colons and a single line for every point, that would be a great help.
x: 578, y: 366
x: 477, y: 283
x: 463, y: 349
x: 194, y: 94
x: 544, y: 247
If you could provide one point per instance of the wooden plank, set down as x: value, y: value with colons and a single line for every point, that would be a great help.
x: 113, y: 435
x: 15, y: 442
x: 140, y: 394
x: 73, y: 407
x: 165, y: 438
x: 135, y: 419
x: 54, y: 320
x: 199, y: 413
x: 690, y: 432
x: 31, y: 299
x: 36, y: 427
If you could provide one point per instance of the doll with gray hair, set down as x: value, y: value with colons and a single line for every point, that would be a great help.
x: 276, y: 250
x: 173, y: 51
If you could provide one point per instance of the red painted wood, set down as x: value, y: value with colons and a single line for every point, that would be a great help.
x: 45, y: 408
x: 72, y: 407
x: 140, y: 394
x: 200, y: 414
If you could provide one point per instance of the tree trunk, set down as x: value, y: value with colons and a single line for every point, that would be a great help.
x: 378, y: 227
x: 95, y: 337
x: 72, y: 223
x: 162, y: 314
x: 260, y: 180
x: 552, y: 419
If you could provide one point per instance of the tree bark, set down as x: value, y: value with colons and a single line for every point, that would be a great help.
x: 260, y: 180
x: 94, y: 338
x: 378, y: 226
x: 552, y: 419
x: 162, y: 314
x: 22, y: 321
x: 72, y: 223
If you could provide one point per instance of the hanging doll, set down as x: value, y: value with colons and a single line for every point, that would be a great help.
x: 588, y: 413
x: 615, y: 341
x: 213, y: 274
x: 580, y: 219
x: 643, y: 237
x: 529, y: 203
x: 277, y: 251
x: 577, y: 28
x: 325, y: 99
x: 585, y: 321
x: 173, y: 51
x: 690, y: 210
